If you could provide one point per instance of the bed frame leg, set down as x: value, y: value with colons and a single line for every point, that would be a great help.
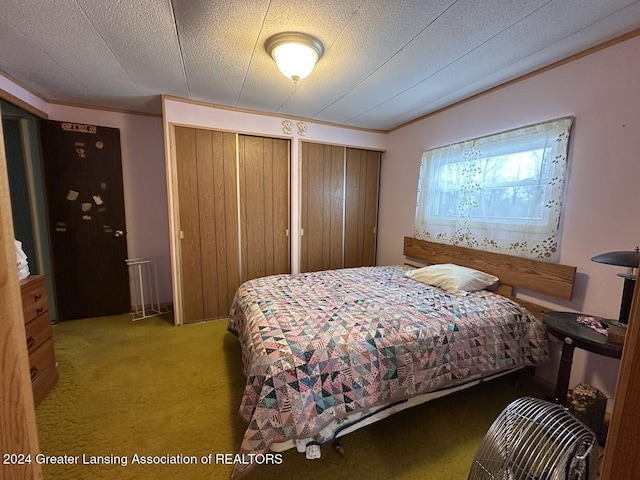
x: 337, y: 446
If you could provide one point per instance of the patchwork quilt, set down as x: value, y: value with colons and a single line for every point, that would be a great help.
x: 321, y: 345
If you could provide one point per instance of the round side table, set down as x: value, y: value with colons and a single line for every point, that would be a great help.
x: 563, y: 326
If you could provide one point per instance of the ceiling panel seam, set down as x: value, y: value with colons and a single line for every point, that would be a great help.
x: 184, y: 68
x: 22, y: 34
x: 504, y: 67
x: 109, y: 48
x: 385, y: 62
x: 452, y: 62
x: 356, y: 11
x: 327, y: 49
x: 547, y: 46
x: 253, y: 52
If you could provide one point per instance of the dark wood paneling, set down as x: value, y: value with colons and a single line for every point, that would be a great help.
x: 322, y: 206
x: 264, y: 199
x: 361, y: 207
x: 231, y: 241
x: 250, y: 155
x: 336, y: 206
x: 267, y: 192
x: 191, y: 255
x: 311, y: 171
x: 207, y: 224
x: 219, y: 248
x: 304, y: 202
x: 315, y: 214
x: 280, y: 189
x: 352, y: 210
x: 371, y: 208
x: 207, y: 190
x: 339, y: 206
x: 326, y: 214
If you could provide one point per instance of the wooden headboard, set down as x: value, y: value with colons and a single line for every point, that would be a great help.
x: 547, y: 278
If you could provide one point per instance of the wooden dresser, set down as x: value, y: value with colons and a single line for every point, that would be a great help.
x: 42, y: 361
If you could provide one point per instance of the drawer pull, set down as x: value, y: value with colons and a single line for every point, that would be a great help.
x: 39, y: 310
x: 30, y: 342
x: 37, y: 296
x: 34, y: 372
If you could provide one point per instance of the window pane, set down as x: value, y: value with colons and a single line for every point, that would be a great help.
x: 515, y: 167
x: 504, y: 187
x: 503, y: 191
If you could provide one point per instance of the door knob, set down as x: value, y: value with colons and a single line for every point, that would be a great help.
x: 118, y: 233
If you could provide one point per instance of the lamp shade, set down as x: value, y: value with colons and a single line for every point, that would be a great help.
x: 629, y: 259
x: 623, y: 258
x: 295, y: 53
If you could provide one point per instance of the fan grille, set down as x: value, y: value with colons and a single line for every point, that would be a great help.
x: 533, y: 439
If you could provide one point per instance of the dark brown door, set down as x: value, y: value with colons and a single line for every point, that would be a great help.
x: 85, y: 208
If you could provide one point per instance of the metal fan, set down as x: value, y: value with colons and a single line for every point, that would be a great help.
x: 533, y: 439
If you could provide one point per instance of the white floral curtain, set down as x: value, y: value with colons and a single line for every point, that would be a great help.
x: 500, y: 193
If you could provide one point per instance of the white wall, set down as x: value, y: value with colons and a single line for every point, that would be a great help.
x: 602, y: 91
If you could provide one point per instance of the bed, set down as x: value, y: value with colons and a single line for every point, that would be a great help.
x: 328, y: 352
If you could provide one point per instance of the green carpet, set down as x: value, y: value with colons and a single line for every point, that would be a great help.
x: 152, y: 389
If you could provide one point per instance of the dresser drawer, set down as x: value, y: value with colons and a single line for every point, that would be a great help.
x: 41, y: 359
x: 44, y: 383
x: 38, y: 331
x: 35, y: 300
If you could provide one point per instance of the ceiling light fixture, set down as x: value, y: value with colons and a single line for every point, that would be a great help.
x: 295, y: 53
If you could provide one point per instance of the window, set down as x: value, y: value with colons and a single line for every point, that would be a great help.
x: 502, y: 192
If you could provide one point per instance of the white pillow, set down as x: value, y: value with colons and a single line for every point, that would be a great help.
x: 452, y: 278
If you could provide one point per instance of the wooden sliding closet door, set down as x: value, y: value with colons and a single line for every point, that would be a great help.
x: 322, y: 206
x: 207, y: 196
x: 263, y: 169
x: 361, y: 207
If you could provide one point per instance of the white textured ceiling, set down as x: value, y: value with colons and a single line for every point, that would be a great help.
x: 385, y: 62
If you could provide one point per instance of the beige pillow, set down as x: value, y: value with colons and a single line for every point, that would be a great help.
x: 452, y: 278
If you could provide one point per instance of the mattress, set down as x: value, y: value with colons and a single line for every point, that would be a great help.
x: 322, y: 345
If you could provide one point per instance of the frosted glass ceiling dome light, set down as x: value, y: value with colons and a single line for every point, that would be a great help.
x: 295, y: 53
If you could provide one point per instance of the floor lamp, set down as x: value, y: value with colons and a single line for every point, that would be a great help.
x: 629, y: 259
